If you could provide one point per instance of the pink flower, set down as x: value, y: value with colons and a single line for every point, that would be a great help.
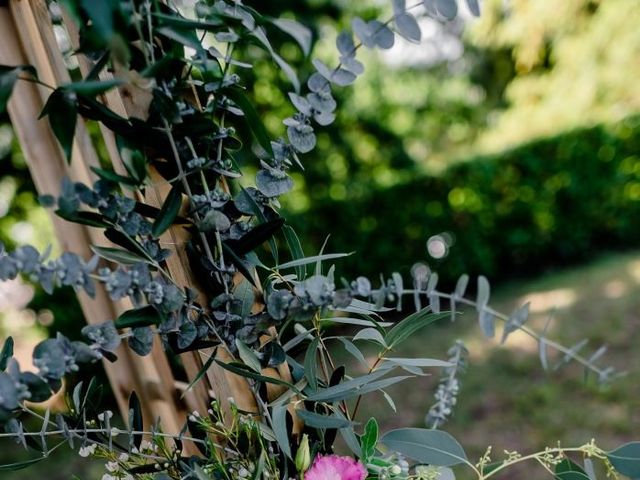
x: 334, y: 467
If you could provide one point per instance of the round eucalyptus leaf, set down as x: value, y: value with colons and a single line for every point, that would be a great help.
x: 83, y: 353
x: 214, y: 220
x: 104, y: 334
x: 48, y: 357
x: 317, y: 82
x: 344, y: 42
x: 187, y: 334
x: 353, y: 65
x: 363, y: 32
x: 381, y: 34
x: 322, y: 101
x: 302, y: 137
x: 278, y: 304
x: 324, y: 118
x: 8, y: 392
x: 142, y: 340
x: 408, y: 27
x: 447, y: 8
x: 271, y: 185
x: 474, y: 7
x: 343, y: 77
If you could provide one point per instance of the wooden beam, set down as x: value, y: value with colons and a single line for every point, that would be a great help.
x: 31, y: 40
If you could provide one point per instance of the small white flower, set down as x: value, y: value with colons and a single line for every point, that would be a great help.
x: 112, y: 466
x: 145, y: 445
x: 87, y: 450
x: 106, y: 476
x: 123, y: 457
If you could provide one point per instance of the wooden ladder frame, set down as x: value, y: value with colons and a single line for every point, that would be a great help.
x: 28, y: 38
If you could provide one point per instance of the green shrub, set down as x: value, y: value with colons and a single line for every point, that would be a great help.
x: 544, y: 204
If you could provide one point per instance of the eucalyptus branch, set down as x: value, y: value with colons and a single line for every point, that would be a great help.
x: 602, y: 373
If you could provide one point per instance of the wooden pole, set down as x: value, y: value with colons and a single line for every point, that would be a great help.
x: 29, y: 39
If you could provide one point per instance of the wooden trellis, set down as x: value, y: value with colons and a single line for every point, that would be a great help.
x: 28, y: 38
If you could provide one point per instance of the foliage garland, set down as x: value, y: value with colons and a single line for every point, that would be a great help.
x: 189, y: 67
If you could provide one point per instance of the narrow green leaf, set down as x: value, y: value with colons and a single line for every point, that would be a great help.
x: 200, y: 374
x: 369, y: 439
x: 295, y: 248
x: 239, y: 263
x: 9, y: 75
x: 244, y: 293
x: 313, y: 259
x: 114, y: 177
x: 248, y: 356
x: 299, y: 32
x: 356, y: 321
x: 411, y: 325
x: 372, y: 335
x: 184, y: 36
x: 168, y: 212
x: 118, y: 255
x: 344, y: 390
x: 244, y: 371
x: 12, y: 467
x: 62, y: 110
x: 349, y: 437
x: 6, y: 353
x: 418, y: 362
x: 381, y: 384
x: 255, y: 209
x: 135, y: 418
x: 181, y: 22
x: 279, y: 425
x: 316, y: 420
x: 75, y: 397
x: 310, y: 363
x: 92, y: 88
x: 91, y: 219
x: 426, y: 446
x: 253, y: 119
x: 353, y: 350
x: 568, y: 470
x: 139, y: 317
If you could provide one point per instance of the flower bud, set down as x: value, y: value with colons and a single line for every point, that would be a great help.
x: 303, y: 456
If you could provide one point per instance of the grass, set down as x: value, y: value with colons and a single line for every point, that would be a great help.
x: 507, y: 399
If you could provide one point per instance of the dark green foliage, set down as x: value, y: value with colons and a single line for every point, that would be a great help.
x: 545, y: 204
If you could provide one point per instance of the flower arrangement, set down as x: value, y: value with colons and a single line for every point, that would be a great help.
x: 268, y: 324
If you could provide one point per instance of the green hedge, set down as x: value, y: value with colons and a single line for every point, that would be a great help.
x: 545, y: 204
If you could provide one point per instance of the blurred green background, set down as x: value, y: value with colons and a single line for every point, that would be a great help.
x: 507, y: 146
